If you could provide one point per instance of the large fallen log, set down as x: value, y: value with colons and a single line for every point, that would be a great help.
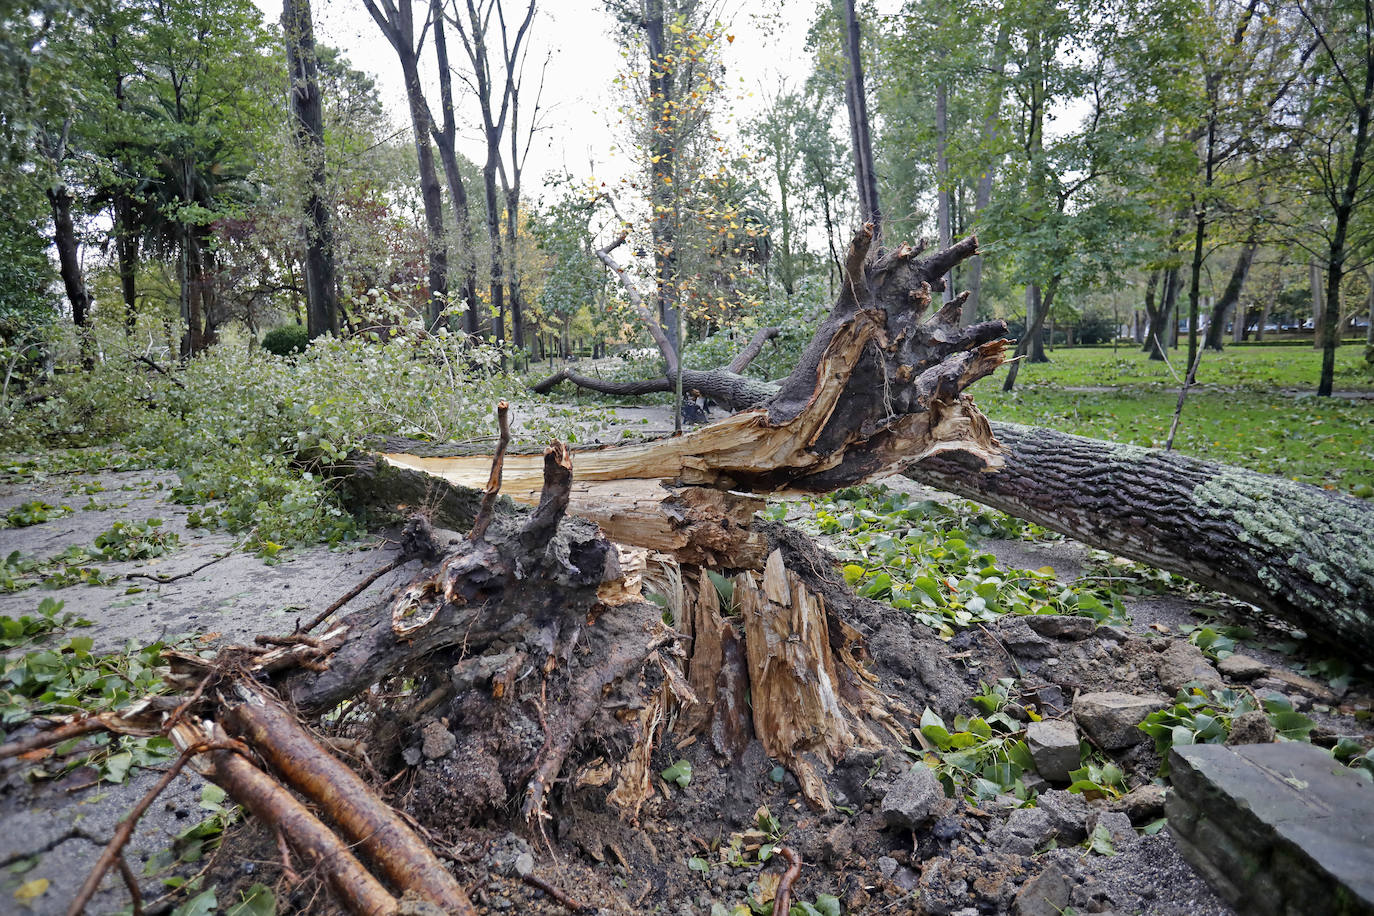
x: 1301, y: 552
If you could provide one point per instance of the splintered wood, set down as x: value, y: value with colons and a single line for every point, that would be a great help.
x: 794, y: 676
x: 793, y: 689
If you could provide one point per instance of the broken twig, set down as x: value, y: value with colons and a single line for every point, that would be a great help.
x: 535, y: 881
x: 493, y: 487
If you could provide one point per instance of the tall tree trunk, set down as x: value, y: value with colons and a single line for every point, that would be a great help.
x: 1163, y: 330
x: 1200, y: 236
x: 982, y: 194
x: 664, y: 157
x: 1344, y: 212
x: 69, y: 265
x: 321, y: 291
x: 517, y: 315
x: 430, y: 193
x: 191, y: 271
x: 942, y: 192
x: 1314, y: 278
x: 496, y: 289
x: 1369, y: 301
x: 1230, y: 297
x: 397, y: 23
x: 127, y: 252
x: 445, y: 138
x: 1034, y: 326
x: 861, y: 135
x: 1037, y: 312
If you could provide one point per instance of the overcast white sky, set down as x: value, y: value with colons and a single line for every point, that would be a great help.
x: 579, y: 101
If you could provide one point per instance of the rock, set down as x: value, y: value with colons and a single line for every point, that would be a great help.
x: 1045, y: 895
x: 1025, y: 831
x: 947, y: 829
x: 1053, y: 746
x: 437, y: 740
x: 505, y: 855
x: 524, y: 864
x: 1114, y: 633
x: 1275, y: 828
x: 412, y: 904
x: 887, y: 866
x: 1050, y: 699
x: 1242, y: 667
x: 1061, y: 626
x: 1252, y: 727
x: 1118, y: 827
x: 913, y: 798
x: 1068, y: 814
x: 475, y: 672
x: 1021, y: 641
x: 1142, y: 804
x: 1183, y: 664
x: 1110, y: 719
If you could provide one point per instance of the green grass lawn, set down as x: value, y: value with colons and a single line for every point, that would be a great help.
x: 1262, y: 368
x: 1237, y: 415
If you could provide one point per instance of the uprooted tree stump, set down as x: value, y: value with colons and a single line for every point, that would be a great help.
x: 525, y: 655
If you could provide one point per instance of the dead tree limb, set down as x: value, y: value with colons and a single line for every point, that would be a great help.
x: 782, y: 899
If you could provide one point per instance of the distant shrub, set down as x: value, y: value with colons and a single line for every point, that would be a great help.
x: 287, y: 339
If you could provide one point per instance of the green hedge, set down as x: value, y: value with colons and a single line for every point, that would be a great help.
x: 287, y: 339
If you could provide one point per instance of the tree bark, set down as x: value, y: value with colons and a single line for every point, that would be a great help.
x: 69, y: 260
x: 1295, y: 550
x: 1314, y: 278
x: 942, y: 192
x: 982, y: 194
x: 1032, y: 336
x: 321, y: 293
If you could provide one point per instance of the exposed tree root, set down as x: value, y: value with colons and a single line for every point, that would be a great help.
x: 266, y: 799
x: 403, y: 859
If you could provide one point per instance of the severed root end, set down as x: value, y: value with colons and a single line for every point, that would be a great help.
x: 553, y: 499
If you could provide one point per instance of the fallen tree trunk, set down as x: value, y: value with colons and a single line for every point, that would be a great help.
x: 1295, y: 550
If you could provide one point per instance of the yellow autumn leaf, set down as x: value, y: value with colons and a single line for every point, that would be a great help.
x: 768, y: 886
x: 30, y: 891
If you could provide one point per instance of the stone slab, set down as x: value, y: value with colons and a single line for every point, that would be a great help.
x: 1290, y: 805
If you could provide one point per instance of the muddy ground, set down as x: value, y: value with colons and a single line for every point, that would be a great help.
x: 960, y: 860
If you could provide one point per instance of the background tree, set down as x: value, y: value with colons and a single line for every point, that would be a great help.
x: 1334, y: 148
x: 308, y: 110
x: 396, y: 19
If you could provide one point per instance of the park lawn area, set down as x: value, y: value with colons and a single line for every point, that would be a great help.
x: 1244, y: 366
x: 1328, y: 441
